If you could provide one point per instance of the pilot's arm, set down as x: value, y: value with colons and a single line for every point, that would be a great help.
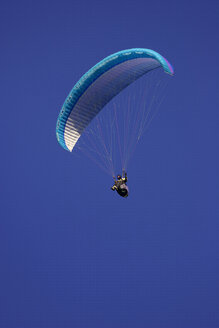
x: 125, y: 179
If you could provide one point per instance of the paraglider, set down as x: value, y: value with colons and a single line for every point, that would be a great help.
x: 120, y: 185
x: 96, y: 88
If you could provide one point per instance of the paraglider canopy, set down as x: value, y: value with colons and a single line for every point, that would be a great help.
x: 99, y: 85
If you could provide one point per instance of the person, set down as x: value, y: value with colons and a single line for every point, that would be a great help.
x: 120, y: 185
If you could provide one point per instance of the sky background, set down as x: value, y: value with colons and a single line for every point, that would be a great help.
x: 72, y: 252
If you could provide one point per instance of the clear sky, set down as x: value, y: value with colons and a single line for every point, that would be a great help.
x: 73, y: 253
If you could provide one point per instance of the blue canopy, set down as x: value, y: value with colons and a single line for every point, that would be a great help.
x: 99, y: 85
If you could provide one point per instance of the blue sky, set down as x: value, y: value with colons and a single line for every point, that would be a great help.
x: 72, y: 253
